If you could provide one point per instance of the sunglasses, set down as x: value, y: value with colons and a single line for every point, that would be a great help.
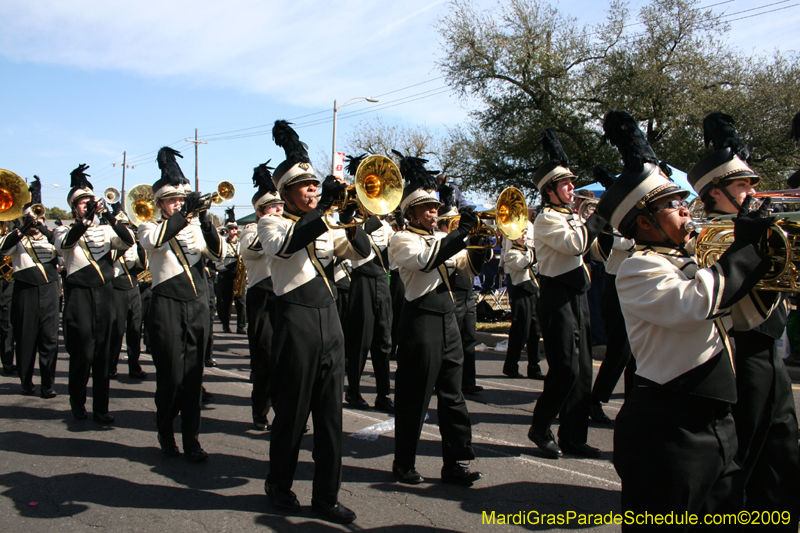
x: 672, y: 204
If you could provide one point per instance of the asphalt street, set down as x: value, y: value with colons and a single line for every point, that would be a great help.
x: 66, y: 475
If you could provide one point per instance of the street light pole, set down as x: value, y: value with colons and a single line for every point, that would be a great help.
x: 335, y: 113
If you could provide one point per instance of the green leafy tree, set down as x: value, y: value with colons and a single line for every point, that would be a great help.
x: 57, y: 212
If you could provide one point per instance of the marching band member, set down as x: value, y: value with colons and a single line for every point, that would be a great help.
x: 308, y: 344
x: 613, y: 249
x: 461, y: 285
x: 766, y: 422
x: 519, y: 259
x: 179, y: 316
x: 260, y: 303
x: 127, y: 306
x: 368, y: 327
x: 429, y: 352
x: 226, y: 274
x: 562, y: 239
x: 675, y: 426
x: 34, y: 305
x: 89, y: 293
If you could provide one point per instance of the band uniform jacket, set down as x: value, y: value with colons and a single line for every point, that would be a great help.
x: 126, y: 266
x: 519, y: 262
x: 177, y: 265
x: 227, y: 262
x: 561, y: 242
x: 34, y: 260
x: 305, y: 276
x: 377, y: 262
x: 414, y: 252
x: 88, y: 261
x: 256, y: 261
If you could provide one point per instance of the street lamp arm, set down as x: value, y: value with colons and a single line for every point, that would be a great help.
x: 335, y: 112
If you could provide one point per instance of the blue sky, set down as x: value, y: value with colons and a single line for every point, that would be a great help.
x: 83, y: 81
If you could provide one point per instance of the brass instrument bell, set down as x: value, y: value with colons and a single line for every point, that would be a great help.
x: 111, y: 195
x: 378, y: 189
x: 140, y: 204
x: 224, y: 193
x: 14, y: 194
x: 510, y: 215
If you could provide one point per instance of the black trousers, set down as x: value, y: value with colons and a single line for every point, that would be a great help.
x: 224, y: 300
x: 429, y: 355
x: 6, y: 331
x: 524, y: 330
x: 260, y: 315
x: 308, y: 347
x: 212, y: 310
x: 88, y: 321
x: 564, y: 313
x: 618, y: 349
x: 34, y: 317
x: 128, y: 324
x: 675, y: 453
x: 368, y: 328
x: 179, y: 333
x: 766, y: 427
x: 466, y: 319
x: 398, y: 292
x: 146, y: 294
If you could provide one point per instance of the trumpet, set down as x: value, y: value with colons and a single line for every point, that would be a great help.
x: 224, y: 193
x: 378, y: 189
x: 510, y: 214
x: 38, y: 210
x: 140, y: 204
x: 588, y: 205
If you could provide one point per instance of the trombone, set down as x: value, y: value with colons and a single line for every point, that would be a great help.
x: 510, y: 214
x: 378, y: 189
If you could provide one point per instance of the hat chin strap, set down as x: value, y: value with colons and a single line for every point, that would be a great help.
x: 660, y: 230
x: 730, y: 198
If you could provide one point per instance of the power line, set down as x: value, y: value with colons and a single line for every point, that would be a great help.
x: 764, y: 12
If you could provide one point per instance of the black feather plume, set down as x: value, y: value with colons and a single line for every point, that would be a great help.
x: 353, y: 162
x: 414, y: 172
x: 262, y: 178
x: 78, y: 178
x: 447, y: 195
x: 169, y: 166
x: 230, y: 217
x: 553, y: 147
x: 622, y: 131
x: 796, y: 127
x: 603, y: 176
x: 718, y: 129
x: 285, y: 137
x: 35, y: 187
x: 666, y: 169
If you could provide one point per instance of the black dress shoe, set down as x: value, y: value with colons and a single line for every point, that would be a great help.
x: 241, y: 331
x: 211, y: 363
x: 137, y: 374
x: 80, y: 413
x: 596, y: 413
x: 28, y: 390
x: 579, y: 449
x: 459, y: 475
x: 226, y: 329
x: 536, y: 374
x: 206, y: 396
x: 168, y: 447
x: 546, y: 443
x: 473, y: 389
x: 514, y: 374
x: 356, y: 401
x: 103, y: 418
x: 48, y: 393
x: 405, y: 475
x: 260, y: 425
x: 385, y: 404
x: 9, y: 369
x: 285, y: 500
x: 112, y: 374
x: 335, y: 513
x: 197, y: 456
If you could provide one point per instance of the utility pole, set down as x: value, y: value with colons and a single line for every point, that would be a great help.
x: 124, y: 165
x: 196, y: 142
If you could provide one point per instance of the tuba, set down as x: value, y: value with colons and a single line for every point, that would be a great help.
x: 510, y: 216
x: 140, y: 204
x: 14, y: 194
x: 378, y: 189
